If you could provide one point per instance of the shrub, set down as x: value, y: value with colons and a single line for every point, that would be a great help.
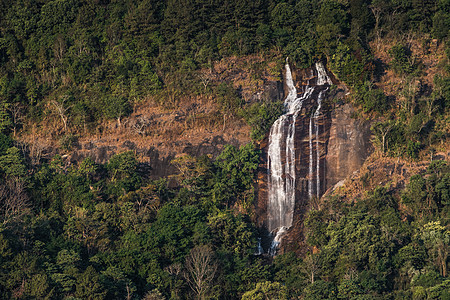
x: 371, y: 99
x: 347, y: 67
x: 260, y: 116
x: 442, y: 90
x: 403, y: 62
x: 412, y: 149
x: 228, y: 98
x: 68, y: 141
x: 5, y: 143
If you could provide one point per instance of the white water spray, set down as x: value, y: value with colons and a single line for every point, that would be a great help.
x: 282, y: 175
x: 282, y: 178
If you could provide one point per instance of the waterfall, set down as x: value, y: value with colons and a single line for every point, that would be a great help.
x: 316, y: 127
x: 310, y: 181
x: 282, y: 179
x: 317, y: 156
x: 322, y: 79
x: 259, y: 248
x: 277, y: 240
x: 282, y: 156
x: 322, y: 76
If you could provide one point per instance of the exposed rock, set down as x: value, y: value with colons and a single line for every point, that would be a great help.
x: 129, y: 145
x: 209, y: 146
x: 343, y: 145
x: 348, y: 146
x: 157, y: 162
x: 158, y: 137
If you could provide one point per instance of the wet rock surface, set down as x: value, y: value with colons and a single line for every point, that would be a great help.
x: 348, y: 145
x: 342, y: 146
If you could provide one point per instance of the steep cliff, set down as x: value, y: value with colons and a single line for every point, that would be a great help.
x: 160, y: 130
x: 330, y: 144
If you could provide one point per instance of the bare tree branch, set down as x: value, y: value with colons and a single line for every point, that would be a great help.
x: 61, y: 109
x: 201, y: 269
x: 14, y: 201
x: 16, y: 110
x: 141, y: 125
x: 206, y: 77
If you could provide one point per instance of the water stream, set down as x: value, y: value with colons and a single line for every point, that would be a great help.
x: 282, y: 156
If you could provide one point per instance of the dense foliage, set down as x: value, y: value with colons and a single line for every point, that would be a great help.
x: 106, y: 231
x: 373, y: 248
x: 84, y: 60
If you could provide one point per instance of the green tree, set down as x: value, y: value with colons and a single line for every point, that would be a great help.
x: 88, y: 285
x: 232, y: 233
x: 349, y: 289
x: 5, y: 143
x: 12, y: 164
x: 117, y: 107
x: 39, y: 287
x: 235, y: 176
x: 320, y: 290
x: 331, y: 24
x: 441, y: 20
x: 123, y: 174
x: 261, y: 116
x: 371, y: 99
x: 403, y: 62
x: 5, y: 119
x: 345, y: 65
x: 437, y: 239
x: 266, y: 290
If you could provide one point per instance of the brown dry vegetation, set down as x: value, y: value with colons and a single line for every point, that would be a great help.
x: 249, y: 73
x: 379, y: 169
x: 428, y: 52
x: 389, y: 172
x: 168, y: 131
x: 163, y: 124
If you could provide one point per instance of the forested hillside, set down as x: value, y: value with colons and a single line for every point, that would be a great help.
x: 75, y: 70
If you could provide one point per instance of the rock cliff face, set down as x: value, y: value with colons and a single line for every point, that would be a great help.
x: 339, y: 149
x: 155, y: 162
x: 348, y: 144
x: 163, y: 127
x: 172, y: 137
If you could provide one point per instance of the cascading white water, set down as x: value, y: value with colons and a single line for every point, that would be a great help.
x: 316, y: 129
x: 316, y: 125
x: 322, y: 76
x: 259, y: 248
x: 322, y: 79
x: 310, y: 182
x: 282, y: 180
x: 277, y: 240
x: 282, y: 177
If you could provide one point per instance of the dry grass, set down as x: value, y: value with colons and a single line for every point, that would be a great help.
x: 392, y: 173
x: 169, y: 131
x: 170, y: 128
x: 428, y: 52
x: 250, y: 73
